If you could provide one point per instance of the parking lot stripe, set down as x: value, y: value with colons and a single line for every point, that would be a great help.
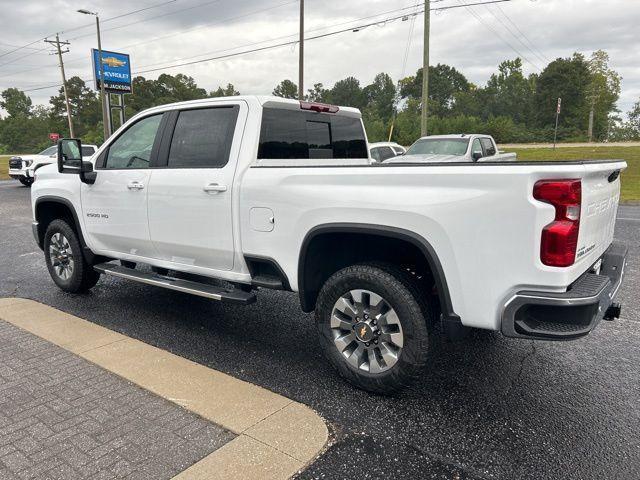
x: 277, y: 437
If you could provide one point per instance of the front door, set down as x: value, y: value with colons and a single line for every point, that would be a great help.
x: 190, y: 194
x: 115, y: 206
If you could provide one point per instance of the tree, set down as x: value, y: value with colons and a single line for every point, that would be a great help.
x: 286, y: 89
x: 634, y: 116
x: 445, y: 84
x: 380, y: 97
x: 318, y: 93
x: 348, y: 92
x: 228, y: 91
x: 567, y: 78
x: 15, y: 102
x: 602, y: 93
x: 509, y: 93
x: 86, y: 110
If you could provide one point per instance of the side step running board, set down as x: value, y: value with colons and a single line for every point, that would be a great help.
x: 186, y: 286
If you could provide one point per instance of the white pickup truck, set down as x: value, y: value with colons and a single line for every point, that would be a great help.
x: 455, y: 149
x: 23, y: 168
x: 263, y: 192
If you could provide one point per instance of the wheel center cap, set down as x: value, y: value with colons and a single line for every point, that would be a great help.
x: 364, y: 333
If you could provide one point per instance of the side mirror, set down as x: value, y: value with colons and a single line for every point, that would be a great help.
x: 69, y: 156
x: 476, y: 156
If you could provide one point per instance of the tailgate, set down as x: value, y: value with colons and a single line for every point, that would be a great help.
x: 600, y: 198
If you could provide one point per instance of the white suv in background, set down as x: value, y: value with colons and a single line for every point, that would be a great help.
x: 23, y: 168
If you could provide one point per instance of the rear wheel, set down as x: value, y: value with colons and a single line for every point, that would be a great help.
x: 372, y: 323
x: 27, y: 182
x: 65, y: 261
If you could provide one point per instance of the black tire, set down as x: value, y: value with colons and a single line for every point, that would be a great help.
x: 27, y: 182
x: 83, y: 277
x: 403, y: 294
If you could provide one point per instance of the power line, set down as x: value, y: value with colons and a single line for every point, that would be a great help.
x: 489, y: 27
x: 109, y: 19
x: 38, y: 50
x: 287, y: 36
x: 541, y: 54
x: 513, y: 34
x: 77, y: 59
x: 292, y: 42
x: 151, y: 18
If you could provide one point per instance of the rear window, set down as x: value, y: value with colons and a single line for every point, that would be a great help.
x: 290, y: 134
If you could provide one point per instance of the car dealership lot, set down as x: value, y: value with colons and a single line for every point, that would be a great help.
x: 489, y: 407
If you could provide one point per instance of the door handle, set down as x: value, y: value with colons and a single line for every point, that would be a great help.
x: 215, y: 188
x: 135, y: 185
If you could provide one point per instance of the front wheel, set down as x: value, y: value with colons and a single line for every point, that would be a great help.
x: 65, y: 261
x: 372, y: 322
x: 27, y: 182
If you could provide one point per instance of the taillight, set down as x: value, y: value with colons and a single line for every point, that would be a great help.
x: 560, y: 238
x: 319, y: 107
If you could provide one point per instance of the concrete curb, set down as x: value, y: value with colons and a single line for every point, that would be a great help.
x: 277, y: 437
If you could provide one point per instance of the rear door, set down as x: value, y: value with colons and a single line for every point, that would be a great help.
x: 190, y: 194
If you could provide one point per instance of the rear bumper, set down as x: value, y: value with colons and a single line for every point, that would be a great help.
x: 571, y: 314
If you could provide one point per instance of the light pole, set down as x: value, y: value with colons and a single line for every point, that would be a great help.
x: 103, y: 96
x: 301, y: 54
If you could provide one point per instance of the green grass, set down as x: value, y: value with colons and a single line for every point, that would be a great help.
x: 630, y: 191
x: 4, y: 167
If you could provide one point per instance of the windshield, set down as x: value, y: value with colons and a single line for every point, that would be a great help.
x: 49, y: 151
x: 439, y: 146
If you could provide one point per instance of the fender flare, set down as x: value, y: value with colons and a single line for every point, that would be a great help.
x: 392, y: 232
x: 62, y: 201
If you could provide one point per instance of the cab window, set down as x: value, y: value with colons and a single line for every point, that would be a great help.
x: 202, y: 137
x: 132, y: 149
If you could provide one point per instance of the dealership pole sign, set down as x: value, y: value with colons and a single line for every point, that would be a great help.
x: 117, y: 71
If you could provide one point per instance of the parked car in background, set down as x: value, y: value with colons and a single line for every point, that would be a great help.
x: 23, y: 168
x: 382, y: 151
x: 453, y: 149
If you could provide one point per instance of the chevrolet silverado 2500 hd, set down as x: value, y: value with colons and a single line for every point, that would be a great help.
x: 262, y: 192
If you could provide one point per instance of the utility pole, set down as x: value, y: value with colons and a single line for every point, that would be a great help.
x: 301, y: 53
x: 57, y: 43
x: 425, y: 67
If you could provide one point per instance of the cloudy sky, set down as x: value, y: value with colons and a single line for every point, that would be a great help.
x: 473, y: 39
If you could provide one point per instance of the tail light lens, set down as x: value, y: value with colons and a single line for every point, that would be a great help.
x: 560, y: 238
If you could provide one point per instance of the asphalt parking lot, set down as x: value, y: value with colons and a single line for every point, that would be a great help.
x: 488, y: 408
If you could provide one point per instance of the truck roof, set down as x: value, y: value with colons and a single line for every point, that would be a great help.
x: 263, y: 100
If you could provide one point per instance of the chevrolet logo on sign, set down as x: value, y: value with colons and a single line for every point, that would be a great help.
x: 113, y: 62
